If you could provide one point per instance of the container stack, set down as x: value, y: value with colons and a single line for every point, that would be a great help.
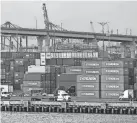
x: 88, y: 84
x: 114, y: 79
x: 42, y: 59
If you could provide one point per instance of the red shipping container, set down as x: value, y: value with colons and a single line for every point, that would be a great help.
x: 87, y: 78
x: 74, y: 70
x: 114, y: 78
x: 32, y: 83
x: 119, y: 64
x: 92, y: 71
x: 87, y: 86
x: 88, y: 94
x: 111, y: 94
x: 91, y: 64
x: 114, y: 86
x: 115, y: 71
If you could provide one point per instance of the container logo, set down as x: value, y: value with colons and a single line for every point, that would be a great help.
x: 112, y: 86
x: 88, y: 94
x: 112, y: 71
x: 112, y: 64
x: 88, y: 86
x: 87, y: 71
x: 88, y: 78
x: 112, y: 78
x: 112, y: 94
x: 75, y: 70
x: 91, y: 64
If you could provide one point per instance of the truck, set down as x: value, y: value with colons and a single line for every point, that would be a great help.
x: 128, y: 95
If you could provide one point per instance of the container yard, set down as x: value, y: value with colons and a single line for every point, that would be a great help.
x: 76, y: 80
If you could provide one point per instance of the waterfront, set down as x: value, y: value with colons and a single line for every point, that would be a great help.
x: 23, y: 117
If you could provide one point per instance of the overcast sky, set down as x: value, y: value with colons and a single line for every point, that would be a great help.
x: 73, y: 15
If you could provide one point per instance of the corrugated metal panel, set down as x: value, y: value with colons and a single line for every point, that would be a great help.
x: 2, y: 76
x: 2, y: 71
x: 32, y: 76
x: 92, y: 71
x: 59, y: 61
x: 115, y: 71
x: 7, y: 62
x: 47, y: 69
x: 114, y: 78
x: 37, y: 62
x: 53, y: 61
x: 53, y: 77
x: 114, y: 86
x: 37, y: 55
x: 88, y: 94
x: 67, y: 84
x: 18, y: 81
x: 91, y: 64
x: 36, y: 69
x: 19, y: 68
x: 2, y: 61
x: 31, y: 61
x: 26, y: 55
x: 135, y: 79
x: 88, y: 78
x: 31, y: 55
x: 3, y: 80
x: 87, y: 86
x: 52, y: 69
x: 16, y: 87
x: 7, y: 68
x: 32, y: 83
x: 63, y: 69
x: 3, y: 66
x: 69, y: 62
x: 67, y: 78
x: 28, y: 89
x: 135, y: 70
x: 19, y: 61
x: 74, y: 70
x: 110, y: 94
x: 118, y: 64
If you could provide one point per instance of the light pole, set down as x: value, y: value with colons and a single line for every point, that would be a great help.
x: 103, y: 24
x: 36, y: 22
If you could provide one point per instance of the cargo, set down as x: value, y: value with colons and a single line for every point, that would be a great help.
x: 115, y: 78
x: 88, y: 94
x: 119, y: 64
x: 32, y: 76
x: 87, y: 86
x: 28, y: 89
x: 114, y: 86
x: 115, y: 71
x: 42, y: 62
x: 32, y: 83
x: 110, y: 94
x: 52, y: 76
x: 19, y: 61
x: 74, y: 70
x: 135, y: 86
x: 69, y: 62
x: 135, y: 79
x: 87, y: 78
x: 37, y: 62
x: 59, y: 61
x: 91, y: 64
x: 19, y: 75
x: 18, y: 81
x: 92, y: 71
x: 36, y: 69
x: 67, y: 78
x: 66, y: 84
x: 42, y: 55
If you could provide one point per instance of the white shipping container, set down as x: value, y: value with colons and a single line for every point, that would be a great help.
x: 42, y: 55
x: 47, y: 56
x: 37, y: 62
x: 43, y: 62
x: 36, y: 69
x: 6, y: 88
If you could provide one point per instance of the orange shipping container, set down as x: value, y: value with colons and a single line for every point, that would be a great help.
x: 110, y: 94
x: 91, y: 64
x: 88, y: 78
x: 114, y: 78
x: 87, y: 86
x: 92, y: 71
x: 88, y: 94
x: 114, y: 86
x: 115, y: 71
x: 118, y: 64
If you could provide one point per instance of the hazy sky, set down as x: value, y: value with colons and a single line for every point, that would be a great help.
x: 74, y: 15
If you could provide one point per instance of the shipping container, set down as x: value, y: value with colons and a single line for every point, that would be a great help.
x: 32, y: 76
x: 47, y: 69
x: 37, y: 62
x: 67, y: 78
x: 42, y: 62
x: 2, y: 61
x: 7, y: 62
x: 42, y: 55
x: 28, y: 89
x: 74, y: 70
x: 135, y: 86
x: 19, y: 61
x: 7, y: 88
x: 32, y: 62
x: 37, y: 55
x: 2, y: 71
x: 19, y: 75
x: 78, y: 61
x: 135, y: 71
x: 115, y: 78
x: 119, y: 64
x: 36, y: 69
x: 115, y: 71
x: 114, y: 86
x: 88, y: 94
x: 48, y: 76
x: 16, y: 86
x: 3, y: 80
x: 88, y: 78
x: 2, y: 76
x: 69, y: 62
x: 3, y: 66
x: 59, y: 61
x: 87, y: 86
x: 92, y: 71
x: 31, y: 55
x: 67, y: 85
x: 92, y: 64
x: 57, y: 70
x: 8, y: 55
x: 63, y: 69
x: 7, y: 68
x: 32, y: 83
x: 26, y: 55
x: 111, y: 94
x: 18, y: 68
x: 52, y: 69
x: 18, y: 81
